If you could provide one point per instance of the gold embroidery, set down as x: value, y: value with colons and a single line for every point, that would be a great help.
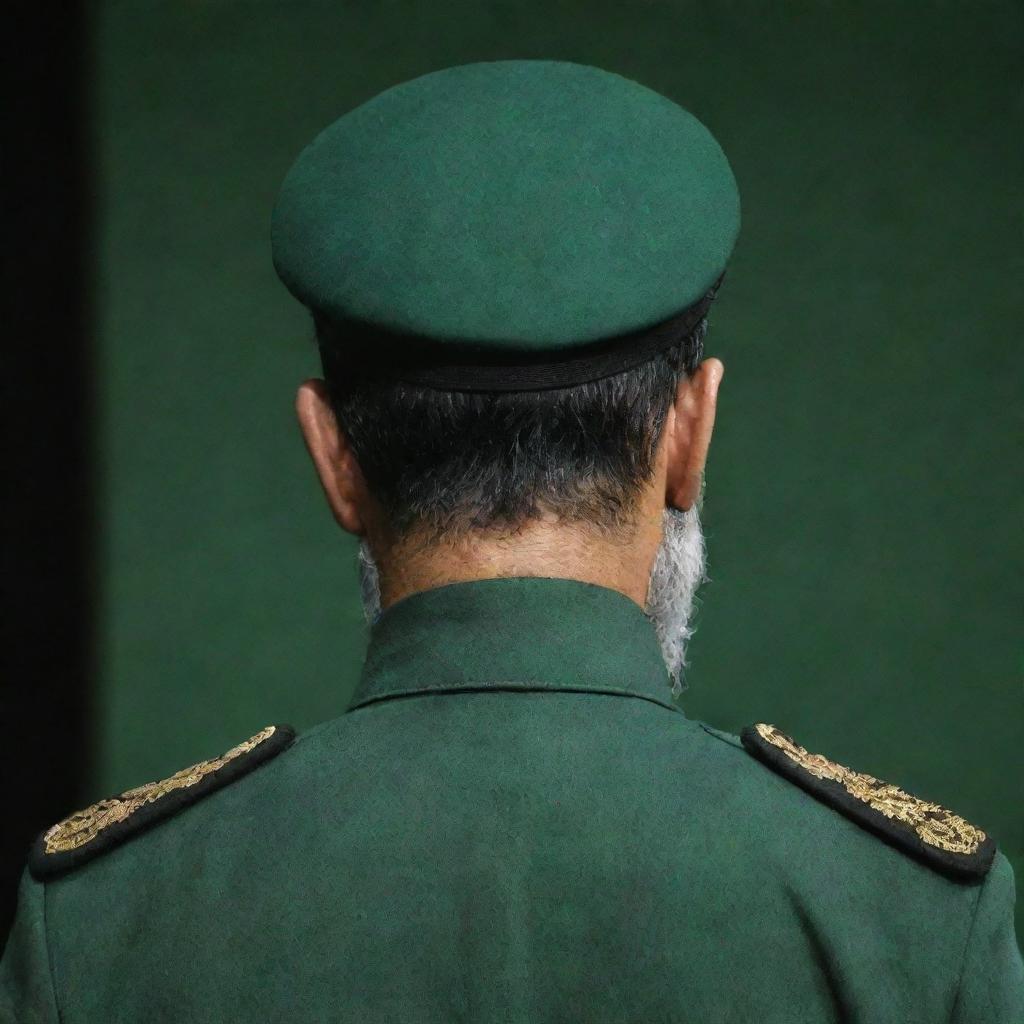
x: 933, y: 823
x: 84, y: 826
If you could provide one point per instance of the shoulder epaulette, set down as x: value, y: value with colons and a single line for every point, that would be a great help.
x: 86, y: 834
x: 925, y: 830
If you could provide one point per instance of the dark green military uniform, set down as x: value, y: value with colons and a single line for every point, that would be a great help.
x: 513, y: 822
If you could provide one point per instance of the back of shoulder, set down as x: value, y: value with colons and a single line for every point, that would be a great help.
x: 110, y: 823
x: 921, y: 829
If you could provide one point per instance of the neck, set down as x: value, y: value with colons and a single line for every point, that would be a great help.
x: 620, y: 561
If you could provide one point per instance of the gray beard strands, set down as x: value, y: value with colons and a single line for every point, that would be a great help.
x: 671, y: 595
x: 369, y: 583
x: 678, y: 572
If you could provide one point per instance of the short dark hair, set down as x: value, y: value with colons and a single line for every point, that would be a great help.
x: 444, y: 463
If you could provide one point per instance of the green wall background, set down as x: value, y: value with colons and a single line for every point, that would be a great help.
x: 864, y: 501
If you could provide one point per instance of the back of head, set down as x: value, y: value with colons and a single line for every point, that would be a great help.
x: 446, y: 463
x: 509, y: 266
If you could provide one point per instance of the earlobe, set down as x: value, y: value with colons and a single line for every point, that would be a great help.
x: 332, y: 457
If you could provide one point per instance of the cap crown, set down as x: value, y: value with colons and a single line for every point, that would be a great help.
x: 518, y: 206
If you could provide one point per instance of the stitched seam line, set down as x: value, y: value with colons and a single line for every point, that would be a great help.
x: 958, y: 991
x: 49, y: 954
x: 721, y: 739
x: 507, y: 687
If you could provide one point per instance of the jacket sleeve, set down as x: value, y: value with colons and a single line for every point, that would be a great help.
x: 992, y: 979
x: 26, y: 985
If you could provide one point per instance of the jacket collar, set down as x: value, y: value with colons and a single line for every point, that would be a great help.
x: 520, y: 633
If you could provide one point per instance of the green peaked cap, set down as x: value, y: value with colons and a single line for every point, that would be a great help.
x: 544, y: 222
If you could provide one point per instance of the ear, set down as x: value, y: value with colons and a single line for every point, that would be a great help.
x: 688, y: 433
x: 335, y: 462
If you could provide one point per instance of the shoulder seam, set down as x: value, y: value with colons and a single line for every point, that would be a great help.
x: 45, y: 895
x: 958, y: 991
x: 722, y: 736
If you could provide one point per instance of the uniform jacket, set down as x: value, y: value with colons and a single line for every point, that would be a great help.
x: 512, y: 821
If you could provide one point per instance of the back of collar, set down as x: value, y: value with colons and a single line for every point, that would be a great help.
x: 519, y: 633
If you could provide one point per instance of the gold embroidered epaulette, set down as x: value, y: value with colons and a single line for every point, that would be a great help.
x: 925, y: 830
x: 85, y: 834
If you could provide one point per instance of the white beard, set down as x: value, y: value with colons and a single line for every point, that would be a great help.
x: 369, y: 583
x: 671, y: 594
x: 678, y: 572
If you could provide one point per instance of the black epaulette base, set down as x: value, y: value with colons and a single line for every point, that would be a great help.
x: 924, y: 830
x: 86, y: 834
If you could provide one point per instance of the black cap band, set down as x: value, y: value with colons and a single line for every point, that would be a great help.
x: 466, y: 367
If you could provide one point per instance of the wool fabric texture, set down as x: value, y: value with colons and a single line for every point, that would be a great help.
x: 511, y: 207
x: 513, y: 821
